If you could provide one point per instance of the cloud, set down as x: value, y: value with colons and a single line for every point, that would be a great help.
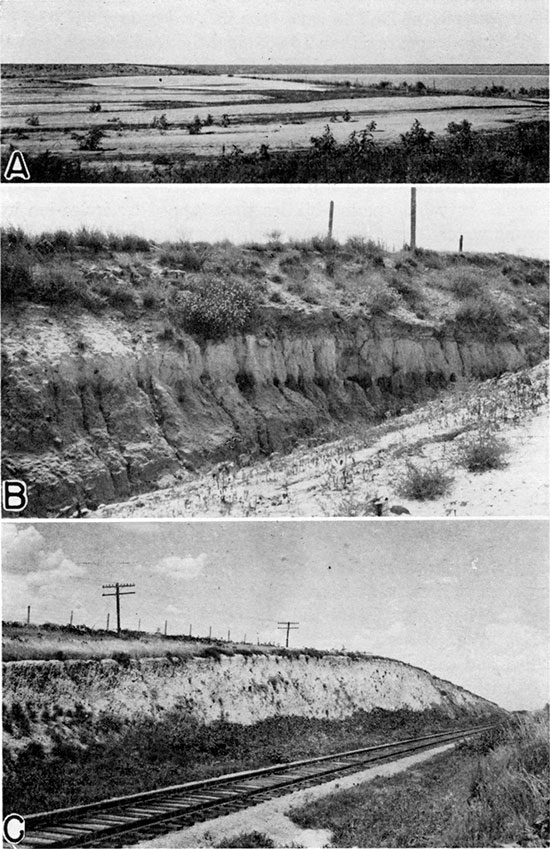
x: 30, y: 573
x: 181, y: 568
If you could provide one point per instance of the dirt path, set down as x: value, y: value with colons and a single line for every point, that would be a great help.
x: 271, y: 818
x: 342, y: 477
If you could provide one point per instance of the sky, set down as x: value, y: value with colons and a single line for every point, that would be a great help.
x: 275, y: 31
x: 492, y: 218
x: 466, y: 600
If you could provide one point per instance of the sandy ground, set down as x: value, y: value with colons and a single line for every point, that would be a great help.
x: 340, y: 477
x: 62, y: 109
x: 271, y: 818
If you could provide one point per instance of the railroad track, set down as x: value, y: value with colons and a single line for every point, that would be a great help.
x: 153, y: 813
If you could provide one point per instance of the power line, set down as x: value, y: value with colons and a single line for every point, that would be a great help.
x: 117, y: 593
x: 288, y: 627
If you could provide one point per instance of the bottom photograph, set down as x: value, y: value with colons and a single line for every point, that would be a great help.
x: 275, y: 683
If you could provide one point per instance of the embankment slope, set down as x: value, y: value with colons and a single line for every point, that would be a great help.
x: 101, y: 404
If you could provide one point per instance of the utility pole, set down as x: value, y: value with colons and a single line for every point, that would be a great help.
x: 117, y: 593
x: 165, y: 627
x: 210, y: 632
x: 460, y: 244
x: 108, y: 619
x: 28, y: 614
x: 330, y: 220
x: 288, y: 627
x: 413, y: 218
x: 71, y: 622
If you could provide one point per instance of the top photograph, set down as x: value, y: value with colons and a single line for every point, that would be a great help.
x: 274, y: 91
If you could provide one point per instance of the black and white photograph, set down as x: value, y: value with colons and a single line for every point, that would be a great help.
x: 275, y: 431
x: 275, y: 91
x: 315, y: 683
x: 271, y: 351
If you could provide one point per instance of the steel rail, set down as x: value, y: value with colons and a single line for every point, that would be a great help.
x: 182, y: 804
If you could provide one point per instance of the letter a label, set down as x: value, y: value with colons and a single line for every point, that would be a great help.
x: 16, y: 169
x: 14, y: 496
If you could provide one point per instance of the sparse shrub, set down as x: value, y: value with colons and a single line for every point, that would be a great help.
x: 217, y: 308
x: 195, y: 126
x: 90, y: 140
x: 20, y: 718
x: 122, y: 658
x: 119, y: 295
x: 424, y: 484
x: 464, y: 283
x: 128, y: 243
x: 185, y: 256
x: 33, y: 120
x: 58, y: 285
x: 92, y: 240
x: 484, y: 452
x: 160, y: 122
x: 365, y: 248
x: 276, y: 298
x: 16, y: 274
x: 94, y: 107
x: 149, y: 299
x: 483, y: 314
x: 378, y: 296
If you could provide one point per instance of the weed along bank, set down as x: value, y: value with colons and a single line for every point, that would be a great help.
x: 238, y: 721
x: 282, y: 377
x: 274, y: 428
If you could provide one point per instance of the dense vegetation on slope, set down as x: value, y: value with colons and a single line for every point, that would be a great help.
x: 216, y: 290
x: 100, y: 757
x: 491, y: 791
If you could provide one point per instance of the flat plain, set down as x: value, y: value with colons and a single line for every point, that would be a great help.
x: 147, y: 117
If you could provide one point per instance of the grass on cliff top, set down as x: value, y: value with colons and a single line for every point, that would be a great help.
x: 215, y: 290
x: 491, y: 791
x: 65, y: 642
x: 64, y: 755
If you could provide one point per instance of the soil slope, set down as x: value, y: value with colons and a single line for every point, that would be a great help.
x: 118, y: 395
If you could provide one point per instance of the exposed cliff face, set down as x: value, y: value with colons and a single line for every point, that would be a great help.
x: 98, y: 409
x: 238, y: 689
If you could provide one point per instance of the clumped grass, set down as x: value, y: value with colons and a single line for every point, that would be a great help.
x: 216, y: 307
x: 465, y: 283
x: 247, y: 839
x: 424, y: 483
x: 482, y: 314
x: 377, y: 295
x: 492, y: 791
x: 365, y: 249
x: 483, y: 452
x: 184, y: 256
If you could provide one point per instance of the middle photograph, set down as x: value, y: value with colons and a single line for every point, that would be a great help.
x: 274, y: 351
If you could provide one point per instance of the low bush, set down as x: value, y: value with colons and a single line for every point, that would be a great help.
x: 216, y: 308
x: 484, y: 452
x: 249, y: 839
x: 184, y: 256
x: 424, y: 483
x: 378, y: 296
x: 482, y: 314
x: 59, y: 285
x: 92, y: 240
x: 464, y: 283
x: 16, y: 274
x: 128, y: 243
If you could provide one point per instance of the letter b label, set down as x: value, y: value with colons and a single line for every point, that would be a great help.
x: 14, y: 496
